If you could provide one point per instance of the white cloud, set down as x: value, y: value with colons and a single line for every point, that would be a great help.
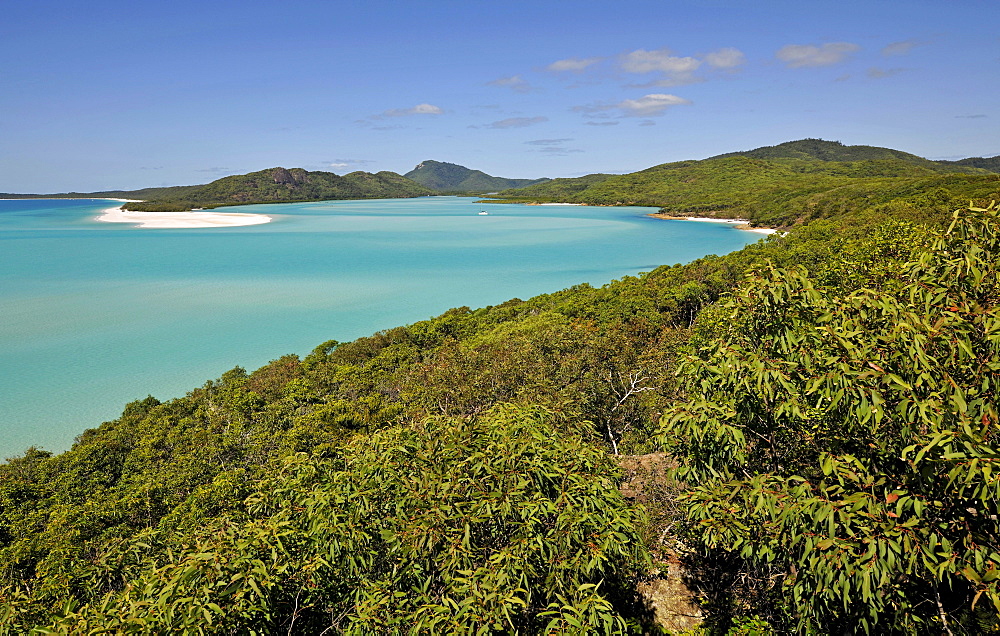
x: 548, y: 142
x: 643, y: 61
x: 556, y: 147
x: 900, y: 48
x: 673, y: 70
x: 727, y: 58
x: 879, y: 73
x: 573, y: 64
x: 601, y: 123
x: 419, y: 109
x: 367, y: 123
x: 515, y: 83
x: 517, y: 122
x: 423, y: 109
x: 344, y: 163
x: 650, y: 105
x: 802, y: 55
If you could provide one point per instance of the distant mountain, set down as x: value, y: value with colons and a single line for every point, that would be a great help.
x: 991, y: 164
x: 560, y: 189
x: 822, y: 150
x: 779, y: 185
x: 450, y: 177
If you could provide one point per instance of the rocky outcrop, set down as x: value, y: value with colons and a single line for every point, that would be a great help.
x: 665, y: 592
x: 289, y: 177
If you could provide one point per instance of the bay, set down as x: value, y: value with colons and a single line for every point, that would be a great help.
x: 94, y: 315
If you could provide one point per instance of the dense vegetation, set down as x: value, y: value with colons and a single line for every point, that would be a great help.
x: 279, y: 185
x: 453, y: 178
x: 845, y: 443
x: 990, y: 164
x: 276, y: 185
x: 828, y: 399
x: 823, y: 150
x: 778, y: 186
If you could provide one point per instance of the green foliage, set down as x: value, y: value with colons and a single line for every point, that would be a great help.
x: 120, y: 525
x: 556, y: 189
x: 276, y: 185
x: 449, y: 177
x: 990, y: 164
x: 779, y: 188
x: 844, y: 443
x: 836, y: 151
x: 504, y: 523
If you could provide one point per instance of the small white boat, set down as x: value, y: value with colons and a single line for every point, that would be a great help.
x: 484, y: 213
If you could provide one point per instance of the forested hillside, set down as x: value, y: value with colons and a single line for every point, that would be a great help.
x: 777, y: 186
x: 278, y: 185
x: 822, y: 150
x: 275, y: 185
x: 991, y: 164
x: 827, y: 400
x: 449, y: 177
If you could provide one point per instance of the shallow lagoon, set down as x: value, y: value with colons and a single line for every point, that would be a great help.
x: 96, y: 315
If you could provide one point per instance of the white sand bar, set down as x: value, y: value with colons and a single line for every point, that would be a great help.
x: 739, y: 224
x: 174, y: 220
x: 711, y: 219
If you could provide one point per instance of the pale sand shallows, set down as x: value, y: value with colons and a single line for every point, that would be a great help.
x: 741, y: 224
x: 710, y: 219
x: 175, y: 220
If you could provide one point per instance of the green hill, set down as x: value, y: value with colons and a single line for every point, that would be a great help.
x: 800, y: 437
x: 992, y: 164
x: 450, y: 177
x: 823, y: 150
x: 779, y: 185
x: 277, y: 185
x: 460, y: 474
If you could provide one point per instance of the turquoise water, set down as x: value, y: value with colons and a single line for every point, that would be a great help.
x: 95, y: 315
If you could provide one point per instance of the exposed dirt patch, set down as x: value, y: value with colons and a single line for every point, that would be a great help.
x: 648, y: 482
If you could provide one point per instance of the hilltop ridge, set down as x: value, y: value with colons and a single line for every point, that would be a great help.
x: 775, y: 185
x: 823, y: 150
x: 273, y: 185
x: 280, y: 185
x: 451, y: 177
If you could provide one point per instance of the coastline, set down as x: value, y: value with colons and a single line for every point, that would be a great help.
x: 739, y: 224
x: 180, y: 220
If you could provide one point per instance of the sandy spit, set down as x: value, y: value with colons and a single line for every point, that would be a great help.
x: 739, y: 224
x: 176, y: 220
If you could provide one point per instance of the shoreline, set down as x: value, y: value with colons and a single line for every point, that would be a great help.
x: 739, y: 224
x: 193, y: 219
x: 180, y: 220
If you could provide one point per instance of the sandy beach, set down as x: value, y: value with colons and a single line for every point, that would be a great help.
x: 739, y: 224
x: 176, y: 220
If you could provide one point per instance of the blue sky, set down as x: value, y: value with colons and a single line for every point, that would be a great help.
x: 105, y: 94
